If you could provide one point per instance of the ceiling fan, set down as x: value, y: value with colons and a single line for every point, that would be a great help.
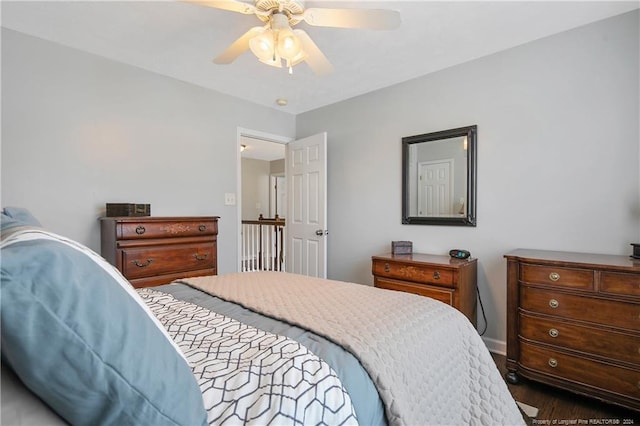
x: 275, y: 42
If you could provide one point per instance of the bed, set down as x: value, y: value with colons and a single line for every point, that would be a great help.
x: 81, y: 346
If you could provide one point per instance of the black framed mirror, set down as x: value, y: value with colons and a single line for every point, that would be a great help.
x: 439, y: 178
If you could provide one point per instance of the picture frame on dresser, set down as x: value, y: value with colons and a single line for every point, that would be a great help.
x: 573, y: 321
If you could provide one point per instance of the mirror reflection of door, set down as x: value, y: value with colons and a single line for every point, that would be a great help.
x: 440, y: 187
x: 435, y: 193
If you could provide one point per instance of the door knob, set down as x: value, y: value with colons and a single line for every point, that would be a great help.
x: 321, y: 232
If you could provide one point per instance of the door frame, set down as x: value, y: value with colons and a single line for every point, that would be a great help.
x: 255, y: 134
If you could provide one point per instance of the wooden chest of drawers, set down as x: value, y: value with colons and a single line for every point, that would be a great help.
x: 574, y: 322
x: 151, y: 251
x: 452, y: 281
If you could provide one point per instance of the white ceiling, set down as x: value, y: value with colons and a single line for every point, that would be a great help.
x: 179, y: 40
x: 260, y: 149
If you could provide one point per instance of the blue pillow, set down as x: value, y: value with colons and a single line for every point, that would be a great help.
x: 17, y: 216
x: 83, y: 343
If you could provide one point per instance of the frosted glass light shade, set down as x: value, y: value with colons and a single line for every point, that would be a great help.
x: 263, y: 46
x: 288, y: 44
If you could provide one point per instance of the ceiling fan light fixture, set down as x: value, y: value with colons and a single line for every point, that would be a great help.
x: 288, y: 44
x: 263, y: 46
x: 276, y: 42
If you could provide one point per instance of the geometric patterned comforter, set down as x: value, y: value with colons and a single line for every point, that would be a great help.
x: 249, y: 376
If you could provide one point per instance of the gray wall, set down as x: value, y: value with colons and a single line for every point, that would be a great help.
x: 558, y: 149
x: 79, y: 131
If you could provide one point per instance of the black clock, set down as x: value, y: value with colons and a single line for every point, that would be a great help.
x: 459, y: 254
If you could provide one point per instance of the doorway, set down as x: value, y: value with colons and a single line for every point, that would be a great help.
x: 261, y: 162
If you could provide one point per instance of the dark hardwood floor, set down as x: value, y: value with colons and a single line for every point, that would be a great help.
x: 559, y: 407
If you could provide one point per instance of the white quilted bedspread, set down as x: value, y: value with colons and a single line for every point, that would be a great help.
x: 428, y: 362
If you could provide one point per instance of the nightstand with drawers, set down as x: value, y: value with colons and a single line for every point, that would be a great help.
x: 573, y: 321
x: 449, y: 280
x: 151, y: 251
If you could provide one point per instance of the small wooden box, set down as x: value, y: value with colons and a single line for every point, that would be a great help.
x: 401, y: 247
x: 128, y: 209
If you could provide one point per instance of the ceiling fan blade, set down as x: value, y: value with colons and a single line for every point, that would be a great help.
x: 373, y: 19
x: 231, y: 5
x: 238, y: 47
x: 315, y: 58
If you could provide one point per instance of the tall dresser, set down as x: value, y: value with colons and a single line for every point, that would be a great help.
x: 151, y: 251
x: 574, y: 322
x: 452, y: 281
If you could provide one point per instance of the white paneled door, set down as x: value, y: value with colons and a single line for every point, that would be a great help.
x: 306, y: 171
x: 435, y: 188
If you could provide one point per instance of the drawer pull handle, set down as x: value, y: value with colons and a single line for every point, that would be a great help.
x: 201, y: 257
x: 554, y: 332
x: 436, y: 275
x: 553, y: 362
x: 202, y: 228
x: 554, y: 303
x: 140, y: 230
x: 142, y: 265
x: 554, y: 276
x: 386, y: 267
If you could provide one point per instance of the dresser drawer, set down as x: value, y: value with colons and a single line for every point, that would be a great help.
x: 557, y: 276
x: 598, y: 341
x: 624, y: 315
x: 431, y: 274
x: 166, y: 229
x: 582, y: 371
x: 440, y: 294
x: 151, y: 261
x: 620, y: 283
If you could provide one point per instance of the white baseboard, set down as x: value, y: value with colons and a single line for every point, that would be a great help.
x: 496, y: 346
